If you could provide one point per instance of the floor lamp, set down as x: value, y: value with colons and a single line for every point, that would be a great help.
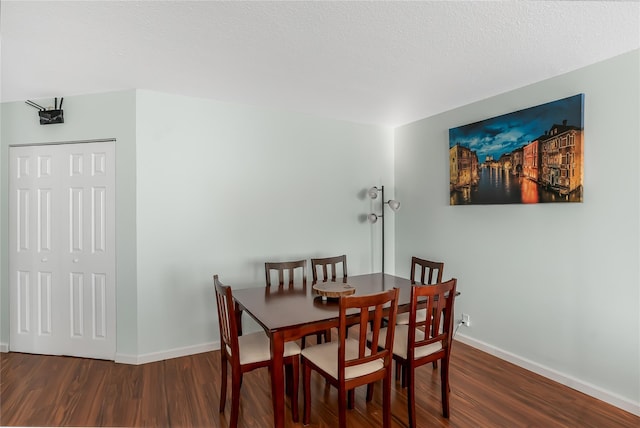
x: 392, y: 203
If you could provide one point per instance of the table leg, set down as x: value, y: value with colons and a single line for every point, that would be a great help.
x: 277, y: 379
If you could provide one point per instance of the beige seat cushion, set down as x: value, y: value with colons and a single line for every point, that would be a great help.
x: 256, y: 347
x: 325, y: 356
x: 403, y: 318
x: 401, y: 338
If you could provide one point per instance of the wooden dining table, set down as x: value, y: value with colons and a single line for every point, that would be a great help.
x: 291, y: 313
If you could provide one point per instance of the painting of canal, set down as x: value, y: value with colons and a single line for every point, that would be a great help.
x: 529, y: 156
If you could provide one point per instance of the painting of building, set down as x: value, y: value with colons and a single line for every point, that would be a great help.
x: 463, y: 167
x: 531, y: 161
x: 562, y: 160
x: 533, y: 155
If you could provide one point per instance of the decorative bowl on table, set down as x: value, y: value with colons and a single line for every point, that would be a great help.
x: 333, y: 290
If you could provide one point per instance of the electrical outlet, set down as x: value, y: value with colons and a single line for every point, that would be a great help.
x: 466, y: 320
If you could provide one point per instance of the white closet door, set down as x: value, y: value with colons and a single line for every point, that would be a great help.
x: 62, y: 249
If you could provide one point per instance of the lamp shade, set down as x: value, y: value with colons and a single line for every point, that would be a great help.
x: 372, y: 218
x: 394, y: 205
x: 373, y: 192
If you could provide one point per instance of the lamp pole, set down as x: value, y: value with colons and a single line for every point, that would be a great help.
x: 382, y: 210
x: 373, y: 217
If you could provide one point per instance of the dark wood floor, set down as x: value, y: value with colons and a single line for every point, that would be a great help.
x: 184, y: 392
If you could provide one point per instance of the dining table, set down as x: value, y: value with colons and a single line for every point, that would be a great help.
x: 287, y: 313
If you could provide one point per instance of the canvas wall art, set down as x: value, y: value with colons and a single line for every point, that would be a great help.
x: 529, y: 156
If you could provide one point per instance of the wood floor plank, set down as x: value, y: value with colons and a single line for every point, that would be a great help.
x: 40, y: 390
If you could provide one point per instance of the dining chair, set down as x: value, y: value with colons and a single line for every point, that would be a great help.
x: 245, y: 353
x: 290, y: 268
x: 426, y: 341
x: 348, y: 362
x: 295, y: 282
x: 326, y: 265
x: 328, y: 269
x: 429, y: 273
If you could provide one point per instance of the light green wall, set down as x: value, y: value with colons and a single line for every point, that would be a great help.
x: 553, y: 284
x: 86, y: 117
x: 205, y: 187
x: 223, y: 188
x: 4, y: 284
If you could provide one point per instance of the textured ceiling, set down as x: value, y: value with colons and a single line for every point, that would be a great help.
x: 388, y: 63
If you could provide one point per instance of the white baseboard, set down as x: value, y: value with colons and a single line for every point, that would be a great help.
x: 4, y: 347
x: 564, y: 379
x: 166, y: 355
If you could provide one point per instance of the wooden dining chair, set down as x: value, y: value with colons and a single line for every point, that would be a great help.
x: 246, y: 353
x: 348, y: 362
x: 290, y: 268
x: 295, y: 282
x: 326, y: 269
x: 426, y: 341
x: 328, y: 266
x: 428, y: 272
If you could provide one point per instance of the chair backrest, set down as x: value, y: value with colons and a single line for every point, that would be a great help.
x: 330, y: 262
x: 370, y: 308
x: 439, y: 300
x: 290, y: 268
x: 226, y: 319
x: 430, y: 272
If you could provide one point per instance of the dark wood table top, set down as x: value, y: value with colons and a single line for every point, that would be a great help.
x: 275, y: 309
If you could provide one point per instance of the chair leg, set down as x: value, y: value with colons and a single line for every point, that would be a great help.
x: 405, y: 370
x: 342, y: 407
x: 370, y: 391
x: 398, y: 370
x: 435, y: 364
x: 386, y: 399
x: 294, y: 388
x: 223, y: 383
x: 351, y: 399
x: 411, y: 394
x: 444, y: 386
x: 306, y: 384
x: 288, y: 375
x: 235, y: 398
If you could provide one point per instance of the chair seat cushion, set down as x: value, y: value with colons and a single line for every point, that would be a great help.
x: 403, y: 318
x: 325, y: 356
x: 401, y: 338
x: 256, y: 347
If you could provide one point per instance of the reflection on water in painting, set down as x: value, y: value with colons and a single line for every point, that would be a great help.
x: 497, y: 186
x: 528, y: 191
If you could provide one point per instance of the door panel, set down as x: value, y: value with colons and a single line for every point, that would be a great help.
x: 62, y: 249
x: 24, y: 302
x: 44, y: 220
x: 44, y: 303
